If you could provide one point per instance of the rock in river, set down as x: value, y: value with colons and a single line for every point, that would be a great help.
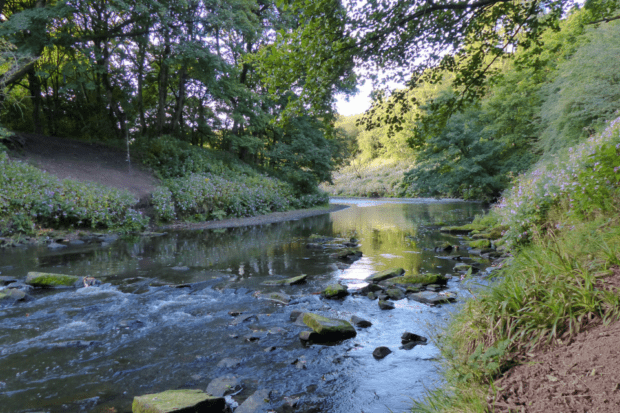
x: 178, y: 400
x: 329, y: 329
x: 360, y: 322
x: 289, y: 281
x: 386, y: 305
x: 348, y: 255
x: 257, y: 402
x: 224, y: 385
x: 381, y: 352
x: 386, y: 274
x: 335, y: 291
x: 44, y: 279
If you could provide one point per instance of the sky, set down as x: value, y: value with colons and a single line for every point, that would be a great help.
x: 357, y: 104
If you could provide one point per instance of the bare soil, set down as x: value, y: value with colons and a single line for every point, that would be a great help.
x: 86, y: 162
x: 580, y: 375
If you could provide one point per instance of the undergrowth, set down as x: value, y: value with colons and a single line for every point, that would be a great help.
x: 564, y: 231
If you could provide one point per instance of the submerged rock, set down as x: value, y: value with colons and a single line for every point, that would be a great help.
x: 385, y: 275
x: 14, y: 295
x: 45, y: 279
x: 55, y: 246
x: 381, y: 352
x: 360, y: 322
x: 335, y: 291
x: 289, y: 281
x: 224, y: 385
x: 195, y: 401
x: 256, y: 402
x: 347, y: 255
x: 329, y: 329
x: 6, y: 280
x: 279, y: 298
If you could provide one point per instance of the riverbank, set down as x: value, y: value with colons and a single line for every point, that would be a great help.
x: 537, y: 339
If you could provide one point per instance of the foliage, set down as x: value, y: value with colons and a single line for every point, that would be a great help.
x: 586, y: 91
x: 203, y: 197
x: 572, y: 178
x: 379, y: 177
x: 31, y: 198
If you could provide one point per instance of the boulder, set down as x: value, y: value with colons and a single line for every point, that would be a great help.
x: 289, y: 281
x: 194, y: 401
x: 386, y: 305
x: 408, y: 337
x: 335, y: 291
x: 395, y: 294
x: 45, y: 279
x: 381, y: 352
x: 224, y: 385
x: 385, y: 275
x: 462, y: 267
x: 360, y: 322
x: 419, y: 279
x: 330, y: 329
x: 257, y: 402
x: 444, y: 246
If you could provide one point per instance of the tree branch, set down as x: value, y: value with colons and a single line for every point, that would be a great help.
x: 607, y: 20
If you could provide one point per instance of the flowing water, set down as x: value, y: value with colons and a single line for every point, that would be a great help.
x: 161, y: 318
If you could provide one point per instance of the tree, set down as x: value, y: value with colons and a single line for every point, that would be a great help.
x: 402, y: 40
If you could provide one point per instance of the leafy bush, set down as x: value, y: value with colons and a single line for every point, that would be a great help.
x: 583, y: 178
x: 30, y: 197
x: 172, y: 158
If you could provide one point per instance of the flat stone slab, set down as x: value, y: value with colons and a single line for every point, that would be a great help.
x: 257, y: 402
x: 46, y: 279
x: 289, y: 281
x: 420, y: 279
x: 330, y: 329
x: 385, y: 275
x: 178, y: 401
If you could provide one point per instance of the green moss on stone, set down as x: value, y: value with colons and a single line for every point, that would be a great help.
x: 44, y: 279
x: 463, y: 229
x: 480, y: 244
x: 339, y: 329
x: 385, y: 275
x: 423, y: 279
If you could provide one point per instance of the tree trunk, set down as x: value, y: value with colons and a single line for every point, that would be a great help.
x: 34, y: 85
x: 163, y: 88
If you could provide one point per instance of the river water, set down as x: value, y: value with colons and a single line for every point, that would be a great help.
x: 94, y: 349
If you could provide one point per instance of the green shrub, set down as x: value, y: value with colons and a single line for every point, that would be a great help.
x: 30, y: 197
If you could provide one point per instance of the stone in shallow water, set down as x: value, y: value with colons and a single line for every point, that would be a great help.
x: 335, y: 291
x: 257, y: 402
x: 381, y: 352
x: 360, y: 322
x: 386, y: 305
x: 330, y: 329
x: 45, y: 279
x: 289, y: 281
x: 179, y: 401
x: 385, y: 275
x: 224, y: 385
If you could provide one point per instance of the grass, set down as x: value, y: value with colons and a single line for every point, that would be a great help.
x: 551, y: 287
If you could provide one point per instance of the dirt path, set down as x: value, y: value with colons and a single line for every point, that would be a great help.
x: 86, y: 162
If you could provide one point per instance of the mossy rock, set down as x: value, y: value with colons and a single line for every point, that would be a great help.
x: 480, y: 244
x: 420, y: 279
x: 330, y: 329
x: 45, y: 279
x: 13, y: 294
x: 335, y: 291
x: 385, y: 275
x: 178, y: 401
x: 496, y: 233
x: 395, y: 294
x: 463, y: 229
x: 348, y: 255
x: 289, y: 281
x: 462, y: 267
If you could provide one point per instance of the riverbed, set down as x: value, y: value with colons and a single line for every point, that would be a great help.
x: 179, y: 310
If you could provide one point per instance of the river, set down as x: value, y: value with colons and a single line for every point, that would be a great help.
x: 161, y: 320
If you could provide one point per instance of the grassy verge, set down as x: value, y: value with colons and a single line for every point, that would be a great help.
x: 564, y: 234
x: 378, y: 178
